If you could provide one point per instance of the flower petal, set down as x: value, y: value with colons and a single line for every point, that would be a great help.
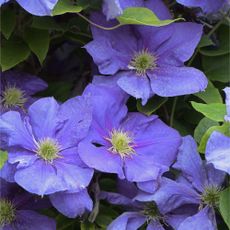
x: 101, y: 159
x: 190, y: 163
x: 127, y: 221
x: 72, y: 204
x: 28, y: 220
x: 218, y: 151
x: 169, y: 81
x: 204, y: 219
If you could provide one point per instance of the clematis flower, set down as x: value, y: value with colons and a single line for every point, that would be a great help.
x: 144, y: 60
x: 17, y: 89
x: 43, y: 145
x: 114, y: 8
x: 140, y: 213
x: 126, y: 143
x: 208, y: 6
x: 36, y: 7
x: 17, y: 210
x: 199, y: 184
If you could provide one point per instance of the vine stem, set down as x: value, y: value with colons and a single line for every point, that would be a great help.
x: 98, y: 26
x: 173, y: 111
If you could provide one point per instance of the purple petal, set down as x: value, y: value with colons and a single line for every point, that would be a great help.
x: 172, y: 195
x: 38, y: 7
x: 23, y: 157
x: 78, y: 111
x: 101, y: 159
x: 136, y: 163
x: 227, y: 102
x: 218, y: 151
x: 28, y: 83
x: 116, y: 198
x: 27, y: 220
x: 150, y: 186
x: 72, y: 204
x: 16, y: 131
x: 208, y: 6
x: 169, y: 81
x: 155, y: 141
x: 182, y: 43
x: 43, y: 178
x: 112, y: 9
x: 204, y: 219
x: 136, y: 86
x: 190, y: 163
x: 7, y: 172
x: 127, y: 221
x: 43, y: 117
x: 154, y: 225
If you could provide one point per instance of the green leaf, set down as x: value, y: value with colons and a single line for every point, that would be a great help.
x: 210, y: 95
x: 213, y: 111
x: 46, y: 23
x: 38, y: 41
x: 205, y: 41
x: 66, y: 6
x: 223, y: 46
x: 217, y: 68
x: 8, y: 22
x: 152, y: 105
x: 202, y: 127
x: 223, y: 129
x: 142, y: 16
x: 3, y: 158
x: 87, y: 226
x: 12, y: 53
x: 225, y: 205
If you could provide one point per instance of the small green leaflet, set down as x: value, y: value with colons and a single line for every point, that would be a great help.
x: 3, y: 158
x: 213, y: 111
x: 66, y: 6
x: 225, y: 205
x: 142, y: 16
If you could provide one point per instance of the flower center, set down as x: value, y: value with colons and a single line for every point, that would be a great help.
x: 143, y: 61
x: 7, y: 212
x: 121, y: 143
x: 211, y: 196
x: 48, y: 149
x: 13, y: 96
x: 152, y: 212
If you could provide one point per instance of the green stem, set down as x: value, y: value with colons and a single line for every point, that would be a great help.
x: 215, y: 27
x: 173, y: 111
x: 98, y: 26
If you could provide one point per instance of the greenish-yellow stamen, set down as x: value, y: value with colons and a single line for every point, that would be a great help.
x: 151, y: 212
x: 143, y: 61
x: 211, y: 196
x: 48, y: 149
x: 7, y: 212
x: 121, y: 142
x: 13, y: 96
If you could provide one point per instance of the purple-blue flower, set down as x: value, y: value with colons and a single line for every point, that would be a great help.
x: 126, y: 143
x: 142, y: 212
x: 147, y: 60
x: 199, y: 184
x: 17, y: 89
x: 208, y: 6
x: 17, y: 210
x: 43, y: 145
x: 36, y: 7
